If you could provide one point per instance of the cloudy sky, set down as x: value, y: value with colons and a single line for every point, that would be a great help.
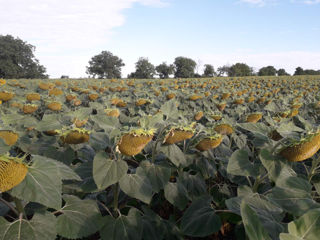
x: 67, y: 33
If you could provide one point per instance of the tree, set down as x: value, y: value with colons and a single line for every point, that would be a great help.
x: 144, y: 69
x: 105, y: 65
x: 282, y: 72
x: 164, y: 70
x: 299, y: 71
x: 17, y: 59
x: 267, y: 71
x: 240, y: 70
x: 184, y: 67
x: 224, y: 70
x: 208, y: 70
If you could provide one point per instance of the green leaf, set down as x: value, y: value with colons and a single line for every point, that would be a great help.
x: 293, y: 194
x: 175, y: 155
x: 153, y: 225
x: 105, y: 122
x: 79, y: 218
x: 307, y: 227
x: 137, y: 186
x: 200, y: 220
x: 240, y: 165
x: 42, y: 226
x: 276, y: 166
x: 48, y: 122
x: 158, y: 175
x: 269, y: 214
x: 106, y: 171
x: 66, y: 173
x: 176, y: 194
x: 42, y: 184
x: 170, y: 109
x: 255, y: 127
x: 194, y: 184
x: 124, y: 227
x: 252, y: 223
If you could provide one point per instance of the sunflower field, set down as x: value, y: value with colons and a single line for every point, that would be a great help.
x: 207, y: 158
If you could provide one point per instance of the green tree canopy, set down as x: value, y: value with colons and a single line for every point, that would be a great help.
x: 299, y: 71
x: 17, y: 59
x: 282, y: 72
x: 105, y: 65
x: 267, y: 71
x: 164, y: 70
x: 240, y: 70
x: 144, y: 69
x: 209, y: 71
x: 184, y: 67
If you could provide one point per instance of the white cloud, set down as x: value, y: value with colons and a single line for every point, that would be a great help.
x: 311, y: 2
x: 287, y: 60
x: 66, y: 33
x: 260, y: 3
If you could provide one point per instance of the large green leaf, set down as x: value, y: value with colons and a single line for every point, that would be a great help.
x: 240, y: 165
x: 106, y: 171
x: 175, y: 155
x: 153, y: 226
x: 79, y: 218
x: 200, y: 220
x: 137, y: 186
x: 124, y: 227
x: 307, y: 227
x: 252, y: 224
x: 176, y: 194
x: 42, y: 226
x: 42, y: 184
x: 255, y: 127
x: 158, y: 175
x: 269, y: 214
x: 293, y: 194
x: 277, y: 168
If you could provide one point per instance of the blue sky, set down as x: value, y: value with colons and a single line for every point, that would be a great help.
x: 284, y: 33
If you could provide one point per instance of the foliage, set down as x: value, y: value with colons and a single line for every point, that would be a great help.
x: 301, y: 71
x: 242, y: 188
x: 282, y: 72
x: 164, y: 70
x: 240, y: 70
x: 184, y: 67
x: 144, y: 69
x: 267, y: 71
x: 17, y: 59
x: 208, y: 71
x: 105, y: 65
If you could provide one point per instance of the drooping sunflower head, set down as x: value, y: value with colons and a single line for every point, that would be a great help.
x: 12, y: 172
x: 75, y: 135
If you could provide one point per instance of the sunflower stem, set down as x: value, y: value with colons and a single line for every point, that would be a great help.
x: 115, y: 197
x: 19, y: 206
x: 12, y: 208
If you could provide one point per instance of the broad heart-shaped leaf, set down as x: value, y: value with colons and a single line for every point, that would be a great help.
x: 137, y: 186
x: 176, y: 194
x: 79, y: 218
x: 170, y: 109
x: 124, y: 227
x: 42, y: 226
x: 200, y: 220
x: 85, y: 171
x: 240, y: 165
x: 194, y: 184
x: 105, y: 122
x: 106, y: 171
x: 277, y: 168
x: 252, y: 224
x: 153, y: 225
x: 255, y: 127
x: 269, y: 214
x: 158, y: 175
x: 307, y: 227
x: 175, y: 155
x: 293, y: 194
x: 42, y: 184
x: 66, y: 173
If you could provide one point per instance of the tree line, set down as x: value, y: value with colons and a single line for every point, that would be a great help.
x: 18, y: 61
